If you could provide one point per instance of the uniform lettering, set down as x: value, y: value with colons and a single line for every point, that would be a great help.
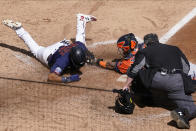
x: 65, y: 49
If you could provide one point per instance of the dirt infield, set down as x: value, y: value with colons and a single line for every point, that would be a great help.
x: 31, y: 106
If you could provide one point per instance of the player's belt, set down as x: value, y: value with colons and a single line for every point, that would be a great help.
x: 165, y: 71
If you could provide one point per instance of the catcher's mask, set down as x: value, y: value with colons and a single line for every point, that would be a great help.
x: 127, y: 43
x: 123, y: 102
x: 77, y: 57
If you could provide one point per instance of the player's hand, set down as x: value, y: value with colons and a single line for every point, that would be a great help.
x: 71, y: 78
x: 126, y: 88
x: 74, y: 78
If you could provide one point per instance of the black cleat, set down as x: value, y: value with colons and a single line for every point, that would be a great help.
x: 179, y: 117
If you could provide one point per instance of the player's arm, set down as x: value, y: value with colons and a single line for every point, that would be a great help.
x: 106, y: 64
x: 56, y: 71
x: 128, y: 83
x: 56, y: 78
x: 185, y: 62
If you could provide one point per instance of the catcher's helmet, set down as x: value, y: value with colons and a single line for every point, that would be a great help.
x: 127, y: 42
x: 150, y: 39
x: 124, y: 103
x: 77, y: 56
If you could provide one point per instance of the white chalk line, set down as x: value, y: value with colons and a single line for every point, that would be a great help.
x: 110, y: 42
x: 178, y: 26
x: 165, y: 37
x: 144, y: 118
x: 24, y: 59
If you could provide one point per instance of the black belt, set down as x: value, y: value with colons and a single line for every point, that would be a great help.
x: 165, y: 71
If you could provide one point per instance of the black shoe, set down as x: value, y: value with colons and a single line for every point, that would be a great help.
x: 179, y: 117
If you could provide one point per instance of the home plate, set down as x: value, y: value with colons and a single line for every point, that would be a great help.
x: 122, y: 78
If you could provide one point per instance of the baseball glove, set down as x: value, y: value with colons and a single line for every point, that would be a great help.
x: 124, y: 103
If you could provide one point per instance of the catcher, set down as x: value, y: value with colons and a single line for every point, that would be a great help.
x: 127, y: 46
x: 61, y: 56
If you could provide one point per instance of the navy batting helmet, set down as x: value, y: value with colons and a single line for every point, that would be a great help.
x: 77, y: 56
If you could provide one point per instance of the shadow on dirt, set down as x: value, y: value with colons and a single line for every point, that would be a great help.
x: 16, y: 49
x: 57, y: 84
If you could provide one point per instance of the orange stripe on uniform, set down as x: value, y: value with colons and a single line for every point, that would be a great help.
x: 124, y: 65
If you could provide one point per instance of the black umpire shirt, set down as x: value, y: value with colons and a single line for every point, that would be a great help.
x: 155, y: 57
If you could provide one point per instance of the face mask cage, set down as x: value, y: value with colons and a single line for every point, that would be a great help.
x: 122, y: 52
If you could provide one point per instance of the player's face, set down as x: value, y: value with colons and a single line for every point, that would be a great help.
x: 122, y: 52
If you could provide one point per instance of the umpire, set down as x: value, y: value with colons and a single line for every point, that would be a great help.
x: 165, y: 68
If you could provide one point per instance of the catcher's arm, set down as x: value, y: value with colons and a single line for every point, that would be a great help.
x: 91, y: 60
x: 106, y: 64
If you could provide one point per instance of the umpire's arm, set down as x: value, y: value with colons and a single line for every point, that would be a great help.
x: 140, y: 62
x: 184, y: 61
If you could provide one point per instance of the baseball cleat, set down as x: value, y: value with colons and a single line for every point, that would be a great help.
x: 13, y: 25
x: 180, y: 120
x: 86, y: 18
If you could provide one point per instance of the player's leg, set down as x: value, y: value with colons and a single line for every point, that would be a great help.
x: 81, y: 26
x: 28, y: 40
x: 26, y: 37
x: 173, y: 85
x: 40, y: 52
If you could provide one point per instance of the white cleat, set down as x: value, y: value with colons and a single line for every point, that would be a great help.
x: 86, y: 18
x: 13, y: 25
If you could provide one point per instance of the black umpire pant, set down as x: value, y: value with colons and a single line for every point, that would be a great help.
x: 173, y: 85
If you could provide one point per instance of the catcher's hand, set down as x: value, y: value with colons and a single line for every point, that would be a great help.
x: 90, y: 58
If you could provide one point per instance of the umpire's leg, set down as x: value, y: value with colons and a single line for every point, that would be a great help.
x: 173, y: 85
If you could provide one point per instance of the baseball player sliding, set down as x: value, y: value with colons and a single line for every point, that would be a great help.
x: 62, y: 55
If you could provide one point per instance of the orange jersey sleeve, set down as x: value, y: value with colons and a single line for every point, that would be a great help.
x: 123, y: 65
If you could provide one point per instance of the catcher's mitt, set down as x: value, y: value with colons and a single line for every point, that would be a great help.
x: 124, y: 103
x: 90, y: 58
